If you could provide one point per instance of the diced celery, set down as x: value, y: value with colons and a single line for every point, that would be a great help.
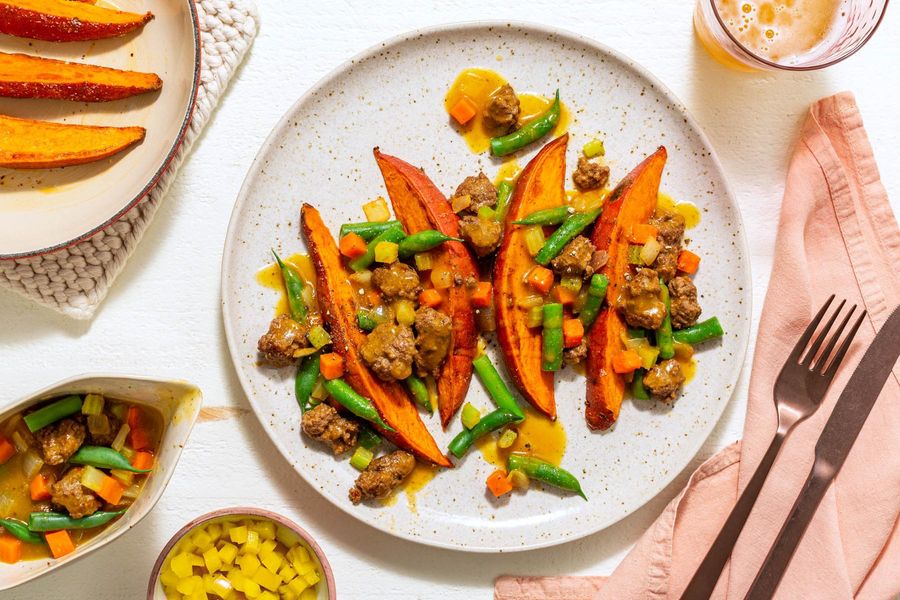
x: 530, y: 301
x: 518, y: 479
x: 594, y: 148
x: 571, y: 282
x: 227, y: 553
x: 386, y: 252
x: 92, y: 478
x: 267, y: 579
x: 405, y: 312
x: 535, y: 316
x: 318, y: 337
x: 361, y: 458
x: 212, y: 560
x: 470, y: 415
x: 377, y: 210
x: 486, y: 213
x: 319, y: 392
x: 424, y: 261
x: 133, y: 491
x: 124, y: 477
x: 634, y: 255
x: 92, y: 405
x: 507, y: 438
x: 534, y: 239
x: 248, y: 563
x: 238, y: 535
x: 119, y: 442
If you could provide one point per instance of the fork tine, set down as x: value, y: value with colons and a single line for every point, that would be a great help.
x: 810, y: 330
x: 836, y: 361
x: 832, y: 342
x: 814, y: 348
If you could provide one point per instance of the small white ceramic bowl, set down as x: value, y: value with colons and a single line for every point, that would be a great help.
x: 177, y: 401
x: 326, y: 588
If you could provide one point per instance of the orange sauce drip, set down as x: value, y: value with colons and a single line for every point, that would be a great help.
x: 270, y: 277
x: 538, y: 436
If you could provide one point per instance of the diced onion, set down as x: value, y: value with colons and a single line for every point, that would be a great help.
x: 405, y: 311
x: 636, y: 343
x: 132, y: 491
x: 363, y: 277
x: 93, y: 478
x: 534, y: 317
x: 119, y: 441
x: 507, y: 438
x: 683, y: 351
x: 441, y: 278
x: 518, y: 479
x: 309, y: 295
x: 318, y: 337
x: 461, y: 203
x: 319, y: 392
x: 19, y: 442
x: 31, y: 464
x: 650, y: 251
x: 92, y: 405
x: 534, y: 239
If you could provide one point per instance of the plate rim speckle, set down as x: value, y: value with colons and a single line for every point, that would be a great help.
x: 232, y: 249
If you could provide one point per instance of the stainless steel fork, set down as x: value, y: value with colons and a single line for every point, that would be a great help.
x: 799, y: 390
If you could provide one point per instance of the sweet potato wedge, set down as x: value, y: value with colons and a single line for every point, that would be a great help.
x: 28, y: 144
x: 541, y: 185
x: 66, y: 20
x: 23, y: 76
x: 631, y: 202
x: 336, y: 297
x: 420, y: 205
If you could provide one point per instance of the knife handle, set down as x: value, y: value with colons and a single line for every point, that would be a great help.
x: 769, y: 576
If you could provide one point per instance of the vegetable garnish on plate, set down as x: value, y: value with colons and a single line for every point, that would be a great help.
x: 73, y: 465
x: 562, y: 277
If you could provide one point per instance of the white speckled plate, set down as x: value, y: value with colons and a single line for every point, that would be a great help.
x: 392, y: 96
x: 46, y: 209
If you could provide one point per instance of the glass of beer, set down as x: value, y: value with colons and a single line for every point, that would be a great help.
x: 794, y: 35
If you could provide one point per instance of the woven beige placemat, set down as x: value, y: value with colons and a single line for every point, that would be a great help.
x: 74, y: 281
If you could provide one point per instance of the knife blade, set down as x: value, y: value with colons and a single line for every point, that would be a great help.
x: 834, y: 444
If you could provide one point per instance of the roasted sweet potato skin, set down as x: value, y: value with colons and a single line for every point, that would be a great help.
x: 420, y: 205
x: 66, y: 20
x: 336, y: 297
x: 541, y: 185
x: 29, y: 144
x: 631, y: 202
x: 23, y: 76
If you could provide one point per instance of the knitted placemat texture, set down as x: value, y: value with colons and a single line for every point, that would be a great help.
x: 75, y: 280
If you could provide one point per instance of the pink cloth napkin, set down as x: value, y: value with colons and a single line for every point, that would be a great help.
x: 837, y: 235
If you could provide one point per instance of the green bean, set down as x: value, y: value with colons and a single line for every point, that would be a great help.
x: 52, y: 413
x: 103, y: 458
x: 365, y: 320
x: 637, y: 386
x: 392, y: 234
x: 664, y: 333
x: 496, y: 387
x: 488, y: 423
x: 552, y: 338
x: 20, y: 530
x: 571, y: 227
x: 367, y: 438
x: 504, y: 195
x: 359, y: 405
x: 701, y: 332
x: 423, y: 241
x: 367, y: 230
x: 293, y: 285
x: 547, y: 216
x: 419, y: 392
x: 595, y: 296
x: 533, y: 131
x: 635, y: 333
x: 544, y: 471
x: 305, y: 381
x: 53, y: 521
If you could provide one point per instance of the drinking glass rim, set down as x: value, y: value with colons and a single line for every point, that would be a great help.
x: 779, y: 66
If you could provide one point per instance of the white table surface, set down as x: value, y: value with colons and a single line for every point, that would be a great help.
x: 162, y: 317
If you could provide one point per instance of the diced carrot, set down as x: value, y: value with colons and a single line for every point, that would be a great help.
x: 639, y: 233
x: 133, y: 418
x: 626, y: 362
x: 498, y: 483
x: 7, y: 450
x: 352, y: 245
x: 39, y: 489
x: 573, y: 332
x: 564, y: 295
x: 431, y: 298
x: 111, y: 491
x: 463, y: 111
x: 688, y: 262
x: 140, y: 439
x: 482, y: 295
x: 60, y: 543
x: 142, y: 460
x: 541, y: 279
x: 331, y: 365
x: 10, y: 549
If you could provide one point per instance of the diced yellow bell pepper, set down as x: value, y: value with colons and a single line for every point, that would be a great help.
x: 267, y: 579
x: 188, y: 585
x: 212, y: 560
x: 287, y: 537
x: 227, y: 553
x: 238, y: 535
x: 252, y: 589
x: 202, y: 540
x: 377, y: 210
x: 298, y: 554
x: 312, y: 578
x: 303, y: 568
x: 267, y: 546
x: 309, y: 594
x: 271, y: 559
x: 386, y: 252
x: 287, y: 573
x: 297, y: 585
x: 169, y: 579
x: 266, y: 529
x: 182, y: 565
x: 171, y: 592
x: 220, y: 586
x: 214, y: 531
x: 267, y: 596
x: 251, y: 546
x: 248, y: 564
x: 237, y: 579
